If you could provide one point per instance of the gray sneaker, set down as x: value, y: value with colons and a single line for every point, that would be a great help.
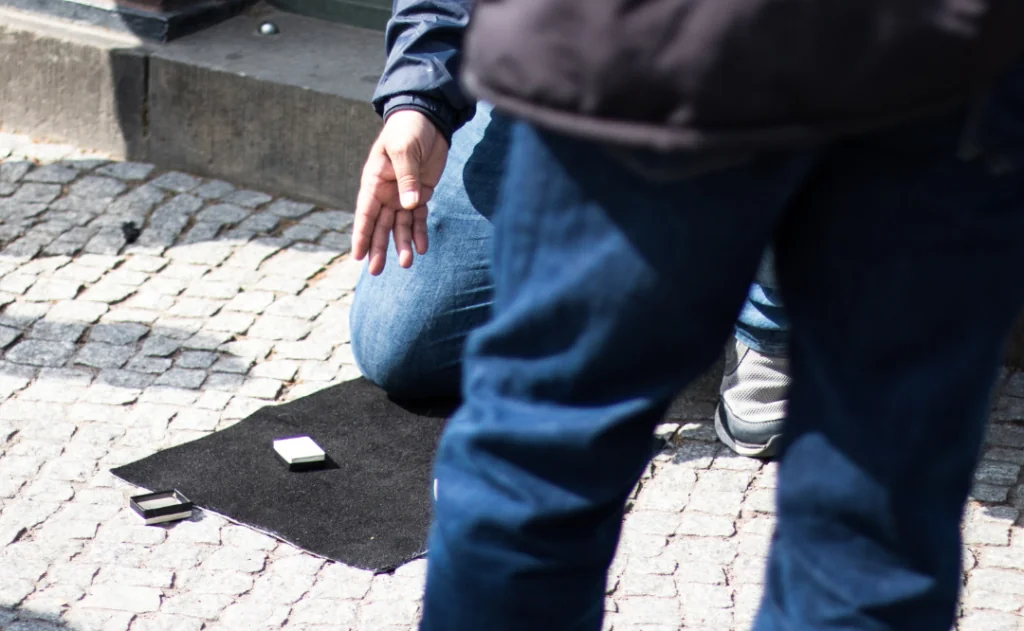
x: 753, y: 406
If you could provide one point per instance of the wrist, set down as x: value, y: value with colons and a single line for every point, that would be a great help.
x: 432, y: 110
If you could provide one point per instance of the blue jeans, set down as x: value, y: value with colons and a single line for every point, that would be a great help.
x: 899, y: 255
x: 409, y: 326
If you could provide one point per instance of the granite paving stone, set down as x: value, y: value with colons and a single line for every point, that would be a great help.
x: 182, y: 378
x: 41, y: 353
x: 177, y: 182
x: 94, y: 186
x: 14, y: 170
x: 34, y: 192
x: 289, y: 209
x: 52, y: 174
x: 247, y: 198
x: 131, y: 171
x: 57, y: 331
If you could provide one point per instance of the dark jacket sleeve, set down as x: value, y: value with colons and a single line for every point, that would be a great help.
x: 424, y: 48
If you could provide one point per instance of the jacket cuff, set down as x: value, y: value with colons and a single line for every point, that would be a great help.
x: 442, y: 116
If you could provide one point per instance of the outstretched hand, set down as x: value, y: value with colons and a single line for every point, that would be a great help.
x: 404, y: 166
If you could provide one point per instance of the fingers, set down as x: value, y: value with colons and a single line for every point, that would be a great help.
x: 406, y: 165
x: 398, y: 180
x: 419, y: 229
x: 381, y: 239
x: 403, y: 237
x: 370, y: 200
x: 368, y: 210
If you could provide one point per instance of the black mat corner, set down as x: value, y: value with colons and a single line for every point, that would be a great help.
x: 370, y: 508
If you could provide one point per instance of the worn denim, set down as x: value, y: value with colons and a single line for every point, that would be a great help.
x: 409, y: 326
x: 899, y: 255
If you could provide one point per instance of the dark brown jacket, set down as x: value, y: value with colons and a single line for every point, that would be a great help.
x: 738, y: 74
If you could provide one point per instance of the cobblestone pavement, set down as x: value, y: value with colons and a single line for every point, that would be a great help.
x: 233, y: 299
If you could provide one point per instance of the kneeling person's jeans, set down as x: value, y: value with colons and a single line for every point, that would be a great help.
x: 409, y: 326
x: 611, y: 292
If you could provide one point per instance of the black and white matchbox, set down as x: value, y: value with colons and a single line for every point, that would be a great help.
x: 300, y: 453
x: 162, y: 506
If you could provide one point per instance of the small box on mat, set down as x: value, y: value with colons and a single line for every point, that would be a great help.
x: 300, y: 453
x: 162, y: 506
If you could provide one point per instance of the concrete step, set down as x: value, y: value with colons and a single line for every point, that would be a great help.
x: 289, y: 113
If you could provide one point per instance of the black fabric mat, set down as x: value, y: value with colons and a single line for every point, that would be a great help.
x: 370, y: 508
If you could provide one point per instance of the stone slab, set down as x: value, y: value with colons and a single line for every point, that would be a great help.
x: 289, y: 113
x: 72, y: 83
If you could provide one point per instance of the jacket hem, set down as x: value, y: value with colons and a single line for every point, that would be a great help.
x: 665, y: 137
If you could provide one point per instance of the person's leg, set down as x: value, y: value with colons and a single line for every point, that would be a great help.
x: 901, y: 272
x: 409, y: 326
x: 762, y: 325
x: 755, y: 384
x: 603, y: 309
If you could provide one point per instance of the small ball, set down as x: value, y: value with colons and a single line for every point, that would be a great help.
x: 268, y: 28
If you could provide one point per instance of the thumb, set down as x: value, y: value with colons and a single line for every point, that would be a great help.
x: 406, y: 164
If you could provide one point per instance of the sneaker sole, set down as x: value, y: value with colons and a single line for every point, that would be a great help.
x: 767, y: 450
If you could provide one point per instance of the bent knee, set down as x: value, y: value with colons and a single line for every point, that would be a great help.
x: 390, y: 351
x: 404, y: 374
x: 376, y: 344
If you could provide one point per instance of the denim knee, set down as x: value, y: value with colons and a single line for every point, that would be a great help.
x: 377, y: 346
x: 400, y: 344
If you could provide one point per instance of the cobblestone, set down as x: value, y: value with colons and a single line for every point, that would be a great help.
x: 225, y: 382
x: 238, y: 560
x: 97, y: 186
x: 152, y: 365
x: 52, y: 174
x: 42, y: 193
x: 160, y: 346
x: 249, y: 199
x: 130, y: 171
x: 57, y: 331
x: 100, y: 355
x: 1000, y: 473
x: 197, y: 420
x: 289, y: 209
x: 112, y: 352
x: 296, y: 307
x: 330, y: 219
x: 14, y: 171
x: 177, y: 182
x: 41, y: 353
x: 279, y: 283
x: 230, y: 322
x: 119, y: 334
x: 78, y: 310
x: 280, y: 369
x: 317, y: 371
x: 182, y: 378
x: 251, y: 348
x: 17, y: 283
x: 107, y: 292
x: 278, y: 328
x: 123, y: 598
x: 303, y: 350
x: 332, y: 614
x: 47, y: 290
